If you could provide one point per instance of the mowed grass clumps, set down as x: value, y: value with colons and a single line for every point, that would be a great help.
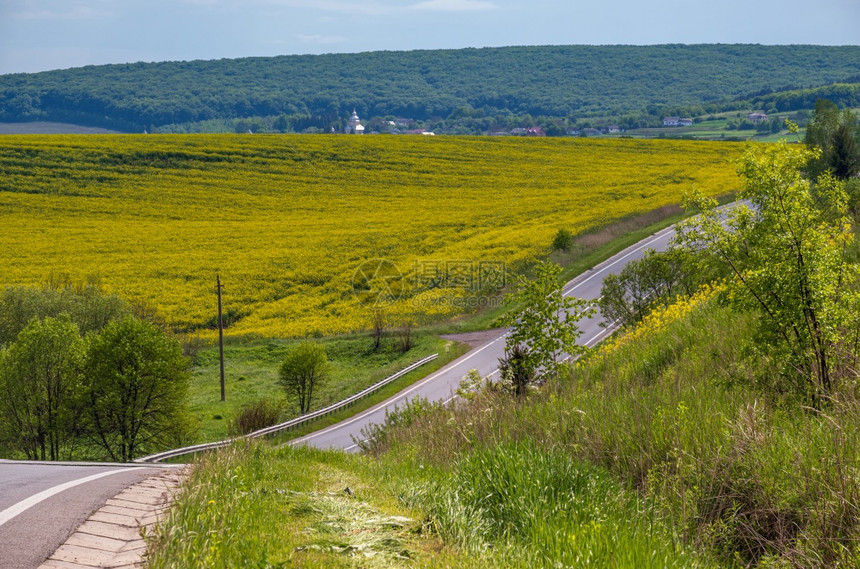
x: 255, y: 506
x: 288, y: 221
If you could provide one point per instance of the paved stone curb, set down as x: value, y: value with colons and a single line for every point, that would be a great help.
x: 112, y: 538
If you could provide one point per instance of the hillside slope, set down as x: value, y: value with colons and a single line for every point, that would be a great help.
x: 556, y: 81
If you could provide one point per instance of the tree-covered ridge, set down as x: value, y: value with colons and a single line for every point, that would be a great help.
x: 557, y: 81
x: 841, y: 94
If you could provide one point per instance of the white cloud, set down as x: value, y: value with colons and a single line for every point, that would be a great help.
x: 454, y: 5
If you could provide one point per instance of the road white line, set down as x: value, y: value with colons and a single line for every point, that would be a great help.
x: 402, y: 395
x: 27, y: 503
x: 399, y: 396
x: 656, y: 237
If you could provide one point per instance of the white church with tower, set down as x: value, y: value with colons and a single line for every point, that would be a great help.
x: 354, y: 125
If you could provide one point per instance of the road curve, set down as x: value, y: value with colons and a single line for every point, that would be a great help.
x: 441, y: 385
x: 41, y: 504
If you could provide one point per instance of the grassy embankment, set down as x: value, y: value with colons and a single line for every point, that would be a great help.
x: 655, y: 452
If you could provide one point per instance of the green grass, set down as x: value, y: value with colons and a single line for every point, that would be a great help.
x: 252, y: 365
x: 742, y: 476
x: 515, y: 506
x: 270, y: 508
x: 252, y: 372
x: 518, y: 505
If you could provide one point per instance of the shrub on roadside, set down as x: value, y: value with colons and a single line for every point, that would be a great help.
x: 256, y: 415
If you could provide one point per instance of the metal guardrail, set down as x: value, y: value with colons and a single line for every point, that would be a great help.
x: 292, y: 423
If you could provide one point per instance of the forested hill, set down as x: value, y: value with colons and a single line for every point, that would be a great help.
x: 556, y: 81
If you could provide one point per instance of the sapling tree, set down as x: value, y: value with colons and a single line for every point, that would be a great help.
x: 544, y: 322
x: 379, y: 322
x: 654, y: 280
x: 786, y: 257
x: 303, y: 370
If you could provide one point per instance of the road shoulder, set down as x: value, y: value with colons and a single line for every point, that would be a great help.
x: 112, y: 537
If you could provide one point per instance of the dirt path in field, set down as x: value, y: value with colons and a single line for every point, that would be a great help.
x: 475, y: 339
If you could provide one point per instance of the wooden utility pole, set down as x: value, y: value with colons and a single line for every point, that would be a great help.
x: 220, y: 335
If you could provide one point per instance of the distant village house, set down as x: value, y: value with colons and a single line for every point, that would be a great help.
x: 677, y: 121
x: 757, y: 117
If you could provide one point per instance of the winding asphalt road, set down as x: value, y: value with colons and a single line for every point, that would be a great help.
x: 441, y: 385
x: 42, y: 503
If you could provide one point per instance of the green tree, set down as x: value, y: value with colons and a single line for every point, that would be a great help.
x: 844, y: 153
x: 303, y: 370
x: 39, y: 380
x: 86, y: 305
x: 281, y: 124
x: 653, y: 280
x: 544, y: 322
x: 135, y: 388
x: 787, y: 260
x: 835, y: 133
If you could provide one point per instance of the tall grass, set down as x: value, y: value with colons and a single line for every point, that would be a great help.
x: 518, y: 505
x: 658, y: 451
x: 675, y: 417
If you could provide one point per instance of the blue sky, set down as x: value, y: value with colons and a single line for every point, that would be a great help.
x: 37, y: 35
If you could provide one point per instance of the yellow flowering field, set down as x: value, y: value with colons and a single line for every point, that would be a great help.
x: 295, y: 225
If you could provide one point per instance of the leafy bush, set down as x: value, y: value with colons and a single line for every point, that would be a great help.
x: 255, y: 416
x: 562, y: 241
x: 86, y: 305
